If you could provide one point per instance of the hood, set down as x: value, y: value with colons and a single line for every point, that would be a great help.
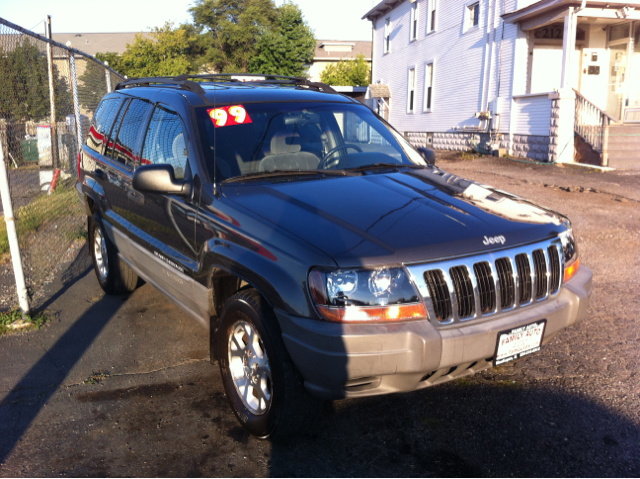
x: 396, y: 217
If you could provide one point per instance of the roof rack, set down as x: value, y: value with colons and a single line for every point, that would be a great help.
x: 185, y: 82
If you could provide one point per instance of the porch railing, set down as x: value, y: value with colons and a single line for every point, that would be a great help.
x: 591, y: 123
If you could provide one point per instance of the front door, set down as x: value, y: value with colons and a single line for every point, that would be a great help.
x: 617, y: 79
x: 162, y: 226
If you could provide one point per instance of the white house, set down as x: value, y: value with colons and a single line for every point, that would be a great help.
x: 548, y: 80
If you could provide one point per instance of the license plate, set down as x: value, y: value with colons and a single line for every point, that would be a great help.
x: 518, y: 342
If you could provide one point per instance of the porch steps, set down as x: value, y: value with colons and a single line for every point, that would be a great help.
x: 624, y: 146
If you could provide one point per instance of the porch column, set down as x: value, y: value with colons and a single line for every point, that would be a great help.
x: 568, y: 48
x: 563, y: 106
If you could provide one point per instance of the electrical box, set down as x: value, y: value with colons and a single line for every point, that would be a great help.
x: 594, y: 70
x: 496, y: 106
x: 594, y: 56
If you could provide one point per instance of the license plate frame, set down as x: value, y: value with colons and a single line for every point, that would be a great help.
x: 529, y: 345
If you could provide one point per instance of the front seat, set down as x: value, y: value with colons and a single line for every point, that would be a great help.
x: 286, y: 154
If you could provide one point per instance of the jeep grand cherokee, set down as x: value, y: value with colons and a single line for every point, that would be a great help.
x: 327, y: 257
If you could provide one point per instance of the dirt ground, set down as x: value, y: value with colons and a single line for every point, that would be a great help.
x: 123, y: 386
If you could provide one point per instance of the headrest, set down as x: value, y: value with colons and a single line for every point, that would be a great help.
x: 285, y: 143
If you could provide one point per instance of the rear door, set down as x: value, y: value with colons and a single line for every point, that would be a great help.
x: 162, y: 226
x: 118, y: 164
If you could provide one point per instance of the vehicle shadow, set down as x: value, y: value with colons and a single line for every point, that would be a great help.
x: 470, y: 428
x: 27, y: 398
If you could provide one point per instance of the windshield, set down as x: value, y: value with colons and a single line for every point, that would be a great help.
x: 290, y: 137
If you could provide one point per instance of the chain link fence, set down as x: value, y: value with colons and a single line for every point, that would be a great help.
x: 48, y: 94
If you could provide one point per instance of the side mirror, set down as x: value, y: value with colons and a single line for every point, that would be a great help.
x: 428, y: 154
x: 159, y: 179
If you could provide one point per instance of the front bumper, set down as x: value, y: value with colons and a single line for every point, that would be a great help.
x: 353, y: 360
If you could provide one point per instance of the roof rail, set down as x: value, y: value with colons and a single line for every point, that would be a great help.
x: 185, y: 82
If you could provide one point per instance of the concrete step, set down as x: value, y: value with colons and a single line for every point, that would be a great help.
x: 624, y: 129
x: 624, y: 154
x: 627, y: 163
x: 624, y: 146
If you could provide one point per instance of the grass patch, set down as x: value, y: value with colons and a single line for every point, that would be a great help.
x: 40, y: 212
x: 34, y: 321
x: 508, y: 383
x: 96, y: 378
x: 464, y: 382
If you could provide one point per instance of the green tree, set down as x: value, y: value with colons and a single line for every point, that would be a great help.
x: 24, y: 83
x: 166, y: 53
x: 112, y: 59
x: 348, y: 73
x: 287, y: 47
x: 232, y: 28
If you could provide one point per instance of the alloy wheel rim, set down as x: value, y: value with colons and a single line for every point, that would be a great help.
x: 249, y: 368
x: 100, y: 253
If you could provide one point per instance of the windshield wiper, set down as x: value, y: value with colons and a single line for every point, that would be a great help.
x: 379, y: 166
x: 276, y: 173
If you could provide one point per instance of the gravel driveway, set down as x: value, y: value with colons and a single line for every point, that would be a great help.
x: 157, y: 407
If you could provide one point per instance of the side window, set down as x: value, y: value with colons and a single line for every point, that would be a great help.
x: 165, y: 142
x: 101, y: 124
x: 110, y: 138
x: 128, y: 132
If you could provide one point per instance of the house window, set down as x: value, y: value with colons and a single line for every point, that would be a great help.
x: 414, y: 21
x: 428, y: 86
x: 387, y: 35
x: 431, y: 17
x: 412, y: 90
x: 472, y: 15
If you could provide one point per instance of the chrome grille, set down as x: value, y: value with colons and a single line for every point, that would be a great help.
x: 524, y: 275
x: 540, y: 266
x: 507, y: 287
x: 470, y: 288
x: 439, y: 291
x: 465, y: 298
x: 554, y: 269
x: 486, y: 287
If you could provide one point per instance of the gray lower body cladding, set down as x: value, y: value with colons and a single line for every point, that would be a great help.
x: 355, y: 360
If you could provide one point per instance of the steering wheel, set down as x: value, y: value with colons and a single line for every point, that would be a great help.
x: 324, y: 164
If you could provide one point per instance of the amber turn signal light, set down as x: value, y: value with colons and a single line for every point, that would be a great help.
x: 356, y: 314
x: 571, y: 270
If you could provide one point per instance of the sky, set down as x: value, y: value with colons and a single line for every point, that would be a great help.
x: 331, y: 19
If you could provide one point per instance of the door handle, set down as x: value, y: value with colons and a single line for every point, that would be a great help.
x: 100, y: 174
x: 136, y: 197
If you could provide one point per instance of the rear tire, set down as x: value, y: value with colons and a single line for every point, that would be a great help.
x: 114, y: 275
x: 264, y: 389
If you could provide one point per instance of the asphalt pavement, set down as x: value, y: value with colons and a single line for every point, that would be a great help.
x: 123, y: 385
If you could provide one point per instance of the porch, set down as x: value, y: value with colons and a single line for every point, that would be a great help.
x: 577, y: 82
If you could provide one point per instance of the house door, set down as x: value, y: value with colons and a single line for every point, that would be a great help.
x: 617, y: 79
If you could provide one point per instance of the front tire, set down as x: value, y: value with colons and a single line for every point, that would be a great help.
x: 114, y: 275
x: 264, y: 389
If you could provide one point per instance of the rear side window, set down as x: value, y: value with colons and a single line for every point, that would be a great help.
x: 127, y: 134
x: 165, y: 142
x: 101, y: 124
x: 114, y: 131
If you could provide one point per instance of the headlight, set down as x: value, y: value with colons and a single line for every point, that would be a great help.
x: 381, y: 294
x: 570, y: 254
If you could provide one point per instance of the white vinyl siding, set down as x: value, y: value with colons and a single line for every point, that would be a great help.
x: 532, y: 114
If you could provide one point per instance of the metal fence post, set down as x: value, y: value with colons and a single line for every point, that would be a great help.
x: 52, y: 99
x: 76, y: 102
x: 108, y: 78
x: 12, y: 235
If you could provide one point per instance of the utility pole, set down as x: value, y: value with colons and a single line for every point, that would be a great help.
x: 12, y: 236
